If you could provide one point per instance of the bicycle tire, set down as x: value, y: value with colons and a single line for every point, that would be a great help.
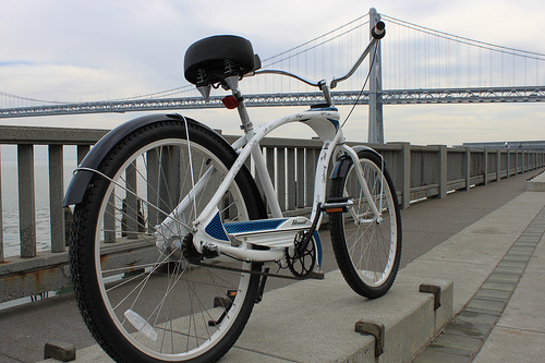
x: 367, y: 253
x: 155, y: 306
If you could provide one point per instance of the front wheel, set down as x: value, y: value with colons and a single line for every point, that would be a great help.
x: 144, y: 292
x: 367, y: 248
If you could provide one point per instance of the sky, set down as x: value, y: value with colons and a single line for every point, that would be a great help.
x: 98, y: 50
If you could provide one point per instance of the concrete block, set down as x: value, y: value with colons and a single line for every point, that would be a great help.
x: 375, y: 329
x: 321, y: 316
x: 309, y: 321
x: 409, y: 319
x: 443, y: 292
x: 314, y: 321
x: 435, y: 291
x: 59, y: 350
x: 536, y: 184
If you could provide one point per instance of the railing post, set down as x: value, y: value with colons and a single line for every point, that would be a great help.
x: 517, y: 162
x: 291, y: 179
x: 443, y: 181
x: 309, y: 175
x: 498, y: 165
x: 130, y: 203
x: 406, y: 177
x: 27, y: 210
x: 281, y: 177
x: 508, y: 163
x: 300, y: 203
x: 269, y: 157
x: 468, y: 168
x: 152, y: 158
x: 82, y: 151
x: 56, y: 190
x: 485, y: 162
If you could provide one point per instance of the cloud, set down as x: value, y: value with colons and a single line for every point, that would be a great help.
x: 82, y: 51
x: 73, y: 83
x: 456, y: 124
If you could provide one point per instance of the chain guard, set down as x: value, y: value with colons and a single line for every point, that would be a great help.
x: 301, y: 260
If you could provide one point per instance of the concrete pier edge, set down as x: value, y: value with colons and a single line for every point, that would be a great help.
x: 324, y: 321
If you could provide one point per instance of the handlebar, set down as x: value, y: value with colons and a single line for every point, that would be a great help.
x: 377, y: 32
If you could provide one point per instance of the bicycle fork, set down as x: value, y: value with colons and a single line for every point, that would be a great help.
x: 377, y: 210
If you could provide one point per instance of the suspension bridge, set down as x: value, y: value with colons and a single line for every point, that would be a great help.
x: 414, y: 65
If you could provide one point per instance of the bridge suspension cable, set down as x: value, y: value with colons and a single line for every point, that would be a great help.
x: 419, y: 65
x: 468, y: 41
x: 421, y: 57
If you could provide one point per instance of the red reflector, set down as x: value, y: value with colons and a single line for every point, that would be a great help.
x: 230, y: 102
x: 334, y: 210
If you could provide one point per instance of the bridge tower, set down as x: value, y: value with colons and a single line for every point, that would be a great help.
x: 376, y: 127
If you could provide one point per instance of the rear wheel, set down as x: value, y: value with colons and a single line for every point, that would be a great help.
x: 367, y: 249
x: 144, y: 295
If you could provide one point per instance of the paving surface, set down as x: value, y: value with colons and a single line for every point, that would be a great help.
x: 493, y: 316
x: 461, y: 238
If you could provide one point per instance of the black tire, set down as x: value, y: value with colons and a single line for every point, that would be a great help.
x: 143, y: 303
x: 367, y: 252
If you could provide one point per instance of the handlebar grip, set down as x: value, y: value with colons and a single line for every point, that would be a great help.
x: 379, y: 31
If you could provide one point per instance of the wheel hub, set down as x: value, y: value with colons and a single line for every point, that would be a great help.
x: 171, y: 246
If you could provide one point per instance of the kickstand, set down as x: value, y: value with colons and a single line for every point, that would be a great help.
x: 261, y: 288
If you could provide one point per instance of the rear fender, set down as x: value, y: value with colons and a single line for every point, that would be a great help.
x: 94, y: 157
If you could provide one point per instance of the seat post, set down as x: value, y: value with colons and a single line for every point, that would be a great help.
x: 247, y: 125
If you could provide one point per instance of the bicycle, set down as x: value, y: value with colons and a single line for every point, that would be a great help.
x: 171, y: 244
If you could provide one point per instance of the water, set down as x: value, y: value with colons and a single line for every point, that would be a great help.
x: 10, y: 200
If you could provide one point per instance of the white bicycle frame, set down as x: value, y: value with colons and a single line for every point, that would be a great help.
x: 325, y: 123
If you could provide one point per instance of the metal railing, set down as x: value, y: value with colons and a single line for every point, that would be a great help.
x: 418, y: 172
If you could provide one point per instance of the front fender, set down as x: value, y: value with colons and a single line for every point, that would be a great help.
x: 343, y: 164
x: 94, y: 157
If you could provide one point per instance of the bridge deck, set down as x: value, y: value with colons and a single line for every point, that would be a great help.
x: 387, y: 97
x: 24, y: 330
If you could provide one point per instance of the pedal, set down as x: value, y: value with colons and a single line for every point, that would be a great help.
x: 337, y: 205
x: 222, y: 302
x: 225, y: 301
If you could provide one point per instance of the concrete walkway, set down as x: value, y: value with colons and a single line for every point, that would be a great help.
x: 496, y: 267
x: 451, y: 246
x: 519, y: 334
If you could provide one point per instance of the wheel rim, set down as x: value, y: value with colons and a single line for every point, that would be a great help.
x: 372, y: 246
x: 163, y: 304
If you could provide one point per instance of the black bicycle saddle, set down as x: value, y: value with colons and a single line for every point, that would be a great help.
x: 209, y: 60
